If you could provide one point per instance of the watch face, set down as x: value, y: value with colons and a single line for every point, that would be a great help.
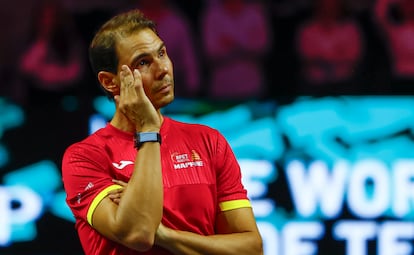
x: 143, y: 137
x: 147, y: 137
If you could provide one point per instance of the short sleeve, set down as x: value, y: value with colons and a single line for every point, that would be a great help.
x: 85, y: 175
x: 230, y: 189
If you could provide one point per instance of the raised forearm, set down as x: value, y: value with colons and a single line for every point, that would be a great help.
x: 135, y: 220
x: 140, y: 210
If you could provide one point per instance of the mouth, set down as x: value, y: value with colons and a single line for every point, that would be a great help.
x: 164, y: 88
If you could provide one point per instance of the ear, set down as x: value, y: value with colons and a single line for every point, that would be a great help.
x: 108, y: 82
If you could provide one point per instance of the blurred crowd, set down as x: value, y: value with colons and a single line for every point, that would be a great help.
x: 221, y: 49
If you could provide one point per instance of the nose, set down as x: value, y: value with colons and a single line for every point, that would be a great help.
x: 162, y: 68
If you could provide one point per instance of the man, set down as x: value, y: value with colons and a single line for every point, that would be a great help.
x: 184, y: 193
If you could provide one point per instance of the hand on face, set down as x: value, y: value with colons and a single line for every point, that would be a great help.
x: 133, y: 102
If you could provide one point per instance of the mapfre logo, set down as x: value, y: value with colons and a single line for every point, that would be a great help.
x: 186, y: 160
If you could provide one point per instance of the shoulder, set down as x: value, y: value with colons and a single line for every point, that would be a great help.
x: 94, y: 143
x: 194, y: 133
x: 89, y: 154
x: 192, y: 128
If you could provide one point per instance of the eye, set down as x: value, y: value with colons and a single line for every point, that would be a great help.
x: 143, y: 62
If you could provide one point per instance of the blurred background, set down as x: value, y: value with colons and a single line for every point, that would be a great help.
x: 316, y: 97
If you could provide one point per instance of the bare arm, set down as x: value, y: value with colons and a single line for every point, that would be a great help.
x: 134, y: 221
x: 238, y: 235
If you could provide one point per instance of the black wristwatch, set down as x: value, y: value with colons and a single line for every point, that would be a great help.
x: 143, y: 137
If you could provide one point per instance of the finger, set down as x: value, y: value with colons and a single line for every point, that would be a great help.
x: 122, y: 183
x: 137, y: 76
x: 127, y: 80
x: 116, y: 192
x: 138, y: 82
x: 126, y: 75
x: 116, y: 200
x: 114, y: 195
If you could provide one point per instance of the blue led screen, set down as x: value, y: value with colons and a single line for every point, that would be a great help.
x: 327, y: 175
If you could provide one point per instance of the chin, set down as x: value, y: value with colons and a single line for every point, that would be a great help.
x: 164, y: 101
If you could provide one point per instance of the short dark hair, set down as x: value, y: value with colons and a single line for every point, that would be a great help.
x: 102, y: 50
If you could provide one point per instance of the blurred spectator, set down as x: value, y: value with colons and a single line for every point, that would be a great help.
x: 284, y: 8
x: 282, y: 62
x: 51, y: 70
x: 374, y: 75
x: 178, y: 34
x: 330, y: 48
x: 53, y: 60
x: 235, y: 40
x: 11, y: 44
x: 192, y: 10
x: 396, y: 19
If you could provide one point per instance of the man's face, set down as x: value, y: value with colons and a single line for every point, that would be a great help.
x: 146, y: 52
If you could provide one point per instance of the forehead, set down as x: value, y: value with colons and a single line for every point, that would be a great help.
x: 141, y: 42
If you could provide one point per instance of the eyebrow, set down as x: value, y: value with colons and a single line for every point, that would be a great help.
x: 145, y: 54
